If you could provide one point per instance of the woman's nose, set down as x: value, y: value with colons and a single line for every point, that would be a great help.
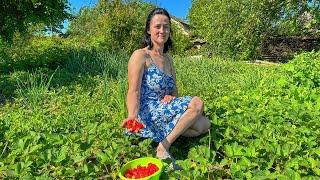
x: 162, y: 29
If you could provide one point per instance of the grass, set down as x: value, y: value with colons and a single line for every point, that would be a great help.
x: 64, y: 122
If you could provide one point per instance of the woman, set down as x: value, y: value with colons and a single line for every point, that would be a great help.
x: 152, y: 93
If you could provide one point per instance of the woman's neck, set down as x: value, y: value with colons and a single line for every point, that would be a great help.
x: 157, y: 50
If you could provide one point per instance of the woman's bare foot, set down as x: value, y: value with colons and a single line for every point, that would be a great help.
x: 161, y: 152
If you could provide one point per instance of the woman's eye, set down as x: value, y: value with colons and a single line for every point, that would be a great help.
x: 164, y: 27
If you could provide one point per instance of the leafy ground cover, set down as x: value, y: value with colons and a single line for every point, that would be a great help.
x: 63, y: 122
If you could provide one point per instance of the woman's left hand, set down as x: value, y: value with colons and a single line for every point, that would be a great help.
x: 167, y: 99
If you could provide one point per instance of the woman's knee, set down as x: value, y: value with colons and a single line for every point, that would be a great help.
x: 197, y: 104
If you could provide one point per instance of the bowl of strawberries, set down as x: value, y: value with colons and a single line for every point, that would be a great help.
x: 142, y: 168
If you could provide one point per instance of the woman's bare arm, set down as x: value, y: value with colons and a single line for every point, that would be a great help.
x: 135, y: 72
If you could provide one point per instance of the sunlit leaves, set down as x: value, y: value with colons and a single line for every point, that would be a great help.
x: 237, y: 28
x: 17, y: 16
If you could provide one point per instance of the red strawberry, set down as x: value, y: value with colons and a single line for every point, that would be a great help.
x: 134, y: 125
x: 141, y: 171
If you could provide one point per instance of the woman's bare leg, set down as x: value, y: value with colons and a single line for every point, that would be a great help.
x: 201, y: 126
x: 187, y: 120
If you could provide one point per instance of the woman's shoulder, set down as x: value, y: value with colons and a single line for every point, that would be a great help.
x: 140, y: 52
x: 139, y: 55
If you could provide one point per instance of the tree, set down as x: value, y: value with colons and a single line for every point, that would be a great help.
x: 115, y: 25
x: 236, y: 28
x: 18, y: 15
x: 298, y: 17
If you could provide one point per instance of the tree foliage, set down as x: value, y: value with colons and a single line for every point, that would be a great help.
x: 113, y: 25
x: 181, y: 41
x: 17, y: 15
x: 236, y: 28
x: 118, y: 25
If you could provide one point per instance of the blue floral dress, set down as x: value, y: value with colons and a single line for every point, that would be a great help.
x: 159, y: 119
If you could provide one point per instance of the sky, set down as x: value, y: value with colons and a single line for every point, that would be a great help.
x: 178, y: 8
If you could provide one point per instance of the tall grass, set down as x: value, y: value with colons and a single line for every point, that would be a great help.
x: 33, y: 87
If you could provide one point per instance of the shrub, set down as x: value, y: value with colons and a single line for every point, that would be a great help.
x: 36, y: 52
x: 237, y: 28
x: 117, y: 26
x: 181, y: 41
x: 114, y: 25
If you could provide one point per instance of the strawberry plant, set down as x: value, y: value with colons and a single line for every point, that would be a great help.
x: 64, y: 123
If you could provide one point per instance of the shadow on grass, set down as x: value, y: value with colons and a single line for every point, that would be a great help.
x: 29, y: 61
x: 7, y: 87
x: 182, y: 146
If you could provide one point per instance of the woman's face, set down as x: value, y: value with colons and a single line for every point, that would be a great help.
x: 159, y: 29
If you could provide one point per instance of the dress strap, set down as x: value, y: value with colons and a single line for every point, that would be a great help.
x: 150, y: 57
x: 170, y: 63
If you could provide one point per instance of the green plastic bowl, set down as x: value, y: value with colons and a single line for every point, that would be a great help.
x: 142, y: 162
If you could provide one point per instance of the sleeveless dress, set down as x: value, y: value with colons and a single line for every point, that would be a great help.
x: 159, y: 119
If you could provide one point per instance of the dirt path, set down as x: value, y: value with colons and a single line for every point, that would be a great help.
x: 259, y: 62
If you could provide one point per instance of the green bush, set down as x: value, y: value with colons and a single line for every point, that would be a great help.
x: 181, y: 41
x: 304, y: 70
x: 36, y: 52
x: 237, y: 28
x: 231, y: 28
x: 117, y: 26
x: 114, y: 25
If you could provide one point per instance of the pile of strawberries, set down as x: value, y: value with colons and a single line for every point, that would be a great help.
x: 141, y: 171
x: 134, y: 125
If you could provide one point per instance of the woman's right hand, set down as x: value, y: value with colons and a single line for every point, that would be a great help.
x: 124, y: 122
